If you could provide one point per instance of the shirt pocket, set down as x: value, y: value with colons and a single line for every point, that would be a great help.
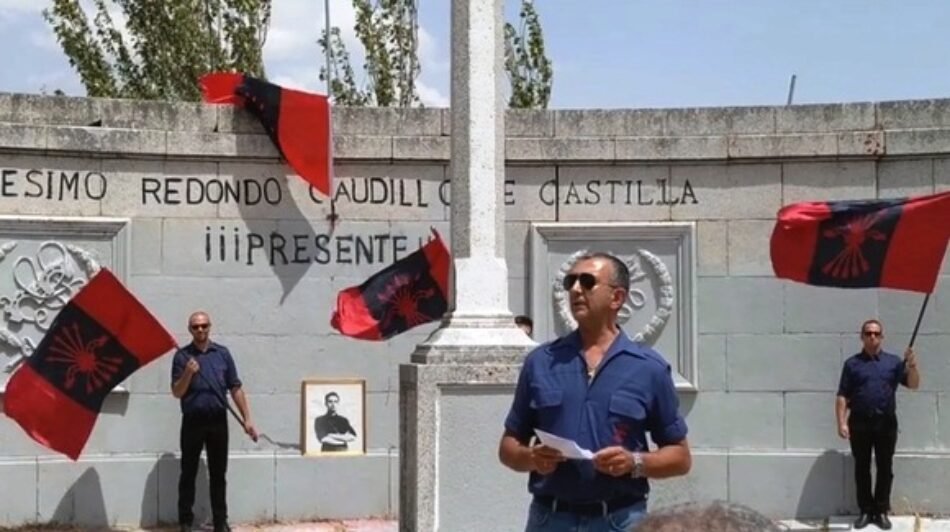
x: 546, y: 404
x: 626, y: 422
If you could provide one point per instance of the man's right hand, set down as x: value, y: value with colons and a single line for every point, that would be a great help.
x: 545, y: 459
x: 844, y: 432
x: 192, y: 366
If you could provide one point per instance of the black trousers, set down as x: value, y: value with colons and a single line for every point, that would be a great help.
x: 878, y: 434
x: 211, y: 433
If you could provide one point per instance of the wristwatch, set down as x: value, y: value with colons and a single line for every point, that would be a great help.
x: 638, y: 470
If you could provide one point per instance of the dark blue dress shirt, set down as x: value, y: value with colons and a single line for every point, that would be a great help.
x: 869, y: 383
x: 218, y: 375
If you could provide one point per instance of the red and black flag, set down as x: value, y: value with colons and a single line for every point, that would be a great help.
x: 97, y: 340
x: 896, y: 243
x: 409, y: 292
x: 297, y: 122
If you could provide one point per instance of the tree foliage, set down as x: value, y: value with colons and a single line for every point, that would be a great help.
x: 388, y: 31
x: 529, y: 69
x: 149, y: 49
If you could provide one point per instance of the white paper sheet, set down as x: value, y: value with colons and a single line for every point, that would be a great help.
x: 568, y: 448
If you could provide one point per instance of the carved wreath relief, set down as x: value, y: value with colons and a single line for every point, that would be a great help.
x: 636, y: 297
x: 43, y: 284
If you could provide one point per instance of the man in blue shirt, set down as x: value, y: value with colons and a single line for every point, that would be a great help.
x: 201, y: 371
x: 597, y: 387
x: 869, y: 381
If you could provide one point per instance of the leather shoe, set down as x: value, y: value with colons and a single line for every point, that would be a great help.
x: 883, y: 522
x: 222, y: 528
x: 184, y: 528
x: 864, y: 520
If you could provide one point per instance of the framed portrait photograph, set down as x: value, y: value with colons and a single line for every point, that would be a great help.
x: 333, y: 417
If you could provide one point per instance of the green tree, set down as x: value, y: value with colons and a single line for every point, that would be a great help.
x: 388, y: 31
x: 529, y: 69
x: 165, y: 47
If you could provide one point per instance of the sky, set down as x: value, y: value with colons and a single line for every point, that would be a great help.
x: 612, y: 53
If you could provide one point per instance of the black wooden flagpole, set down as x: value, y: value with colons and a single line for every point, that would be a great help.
x: 919, y: 317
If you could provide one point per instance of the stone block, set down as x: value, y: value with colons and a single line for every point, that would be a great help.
x: 824, y: 181
x: 252, y: 479
x: 941, y: 175
x: 620, y: 193
x: 712, y: 362
x: 777, y: 362
x: 206, y: 144
x: 524, y: 123
x: 708, y: 480
x: 821, y: 309
x: 920, y: 483
x: 168, y: 467
x: 421, y: 148
x: 51, y: 186
x: 54, y: 110
x: 18, y: 504
x: 712, y: 244
x: 825, y: 117
x: 382, y: 421
x: 810, y: 422
x: 916, y: 141
x: 671, y: 148
x: 158, y: 189
x: 899, y: 310
x: 862, y: 143
x: 749, y: 305
x: 613, y: 123
x: 912, y: 114
x: 155, y: 378
x: 97, y: 492
x: 23, y: 136
x: 388, y: 121
x: 783, y: 145
x: 789, y: 485
x: 530, y: 193
x: 262, y: 191
x: 559, y: 149
x: 464, y: 456
x: 734, y: 420
x: 6, y: 106
x: 155, y: 417
x: 146, y: 246
x: 905, y: 177
x: 917, y: 418
x: 749, y: 247
x: 364, y: 147
x: 230, y: 119
x: 322, y: 488
x: 699, y: 121
x: 929, y: 348
x: 943, y: 420
x: 127, y: 142
x: 74, y: 139
x: 517, y: 248
x: 726, y: 191
x: 518, y: 297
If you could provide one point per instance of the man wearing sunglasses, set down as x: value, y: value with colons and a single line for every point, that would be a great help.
x: 201, y: 371
x: 868, y: 384
x: 597, y: 387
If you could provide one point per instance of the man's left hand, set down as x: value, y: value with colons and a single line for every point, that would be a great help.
x: 910, y: 359
x: 250, y: 430
x: 614, y: 461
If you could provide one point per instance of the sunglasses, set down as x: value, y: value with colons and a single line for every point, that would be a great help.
x: 587, y: 280
x: 201, y: 326
x: 872, y: 333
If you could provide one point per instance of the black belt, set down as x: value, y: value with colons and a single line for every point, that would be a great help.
x: 587, y: 508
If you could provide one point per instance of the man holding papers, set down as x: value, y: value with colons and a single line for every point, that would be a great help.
x: 594, y: 390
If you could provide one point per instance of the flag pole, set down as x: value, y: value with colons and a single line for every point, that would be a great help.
x: 328, y: 52
x: 919, y: 317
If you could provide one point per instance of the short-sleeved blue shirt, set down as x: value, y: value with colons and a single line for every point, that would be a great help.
x: 217, y: 370
x: 631, y: 394
x: 869, y: 383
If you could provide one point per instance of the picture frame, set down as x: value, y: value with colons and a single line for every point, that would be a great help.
x: 333, y: 417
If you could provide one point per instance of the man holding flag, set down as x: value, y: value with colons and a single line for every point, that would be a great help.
x: 887, y: 243
x: 201, y: 371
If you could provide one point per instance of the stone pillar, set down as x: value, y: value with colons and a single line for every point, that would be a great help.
x: 455, y: 391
